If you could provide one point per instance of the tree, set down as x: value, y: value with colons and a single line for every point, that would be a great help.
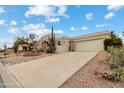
x: 115, y: 41
x: 24, y: 40
x: 15, y: 47
x: 31, y: 38
x: 18, y: 41
x: 113, y: 35
x: 21, y: 40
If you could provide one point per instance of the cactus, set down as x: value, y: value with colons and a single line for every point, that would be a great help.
x: 52, y: 47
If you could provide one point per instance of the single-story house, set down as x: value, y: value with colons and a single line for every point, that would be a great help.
x: 22, y: 47
x: 89, y: 42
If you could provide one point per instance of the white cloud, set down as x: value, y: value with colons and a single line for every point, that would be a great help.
x: 72, y: 28
x: 47, y: 11
x: 109, y: 15
x: 40, y: 11
x: 33, y: 26
x: 89, y: 16
x: 61, y: 11
x: 102, y: 25
x: 13, y: 30
x: 114, y: 7
x: 51, y: 13
x: 2, y: 10
x: 52, y: 20
x: 39, y: 29
x: 58, y: 31
x: 13, y: 23
x: 2, y: 22
x: 84, y: 28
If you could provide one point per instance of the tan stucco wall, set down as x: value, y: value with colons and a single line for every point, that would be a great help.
x: 64, y: 47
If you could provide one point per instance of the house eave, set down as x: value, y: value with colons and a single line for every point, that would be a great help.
x: 92, y: 35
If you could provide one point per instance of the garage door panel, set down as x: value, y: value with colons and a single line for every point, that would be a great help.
x: 94, y: 45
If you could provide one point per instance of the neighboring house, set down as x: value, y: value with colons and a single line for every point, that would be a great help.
x: 22, y: 47
x: 90, y: 42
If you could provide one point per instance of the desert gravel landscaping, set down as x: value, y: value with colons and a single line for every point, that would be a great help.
x: 85, y: 77
x: 12, y: 59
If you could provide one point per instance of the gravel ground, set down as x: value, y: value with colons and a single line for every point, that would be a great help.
x: 85, y: 77
x: 12, y: 59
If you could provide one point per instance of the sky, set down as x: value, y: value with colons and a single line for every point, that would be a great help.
x: 71, y: 20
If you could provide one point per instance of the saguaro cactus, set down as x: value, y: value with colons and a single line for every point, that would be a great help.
x: 52, y: 47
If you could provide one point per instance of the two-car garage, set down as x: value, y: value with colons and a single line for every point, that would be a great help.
x: 93, y: 45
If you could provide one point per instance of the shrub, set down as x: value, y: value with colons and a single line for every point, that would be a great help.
x: 107, y: 43
x: 46, y: 50
x: 115, y: 41
x: 49, y: 50
x: 41, y: 50
x: 120, y: 74
x: 113, y: 66
x: 116, y: 62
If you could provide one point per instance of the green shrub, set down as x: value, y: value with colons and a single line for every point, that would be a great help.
x: 115, y: 61
x: 114, y: 41
x: 41, y: 50
x: 120, y: 74
x: 46, y: 50
x: 107, y: 43
x: 49, y: 50
x: 113, y: 66
x: 117, y: 43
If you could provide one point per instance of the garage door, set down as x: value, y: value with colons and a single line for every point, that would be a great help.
x: 93, y: 45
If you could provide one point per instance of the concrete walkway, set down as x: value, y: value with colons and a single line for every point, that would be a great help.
x: 50, y: 71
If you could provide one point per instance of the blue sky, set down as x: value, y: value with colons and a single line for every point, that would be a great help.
x: 67, y: 20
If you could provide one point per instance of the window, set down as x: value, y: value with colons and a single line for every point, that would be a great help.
x: 59, y: 43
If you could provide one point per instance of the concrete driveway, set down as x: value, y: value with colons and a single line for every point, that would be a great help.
x: 51, y: 71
